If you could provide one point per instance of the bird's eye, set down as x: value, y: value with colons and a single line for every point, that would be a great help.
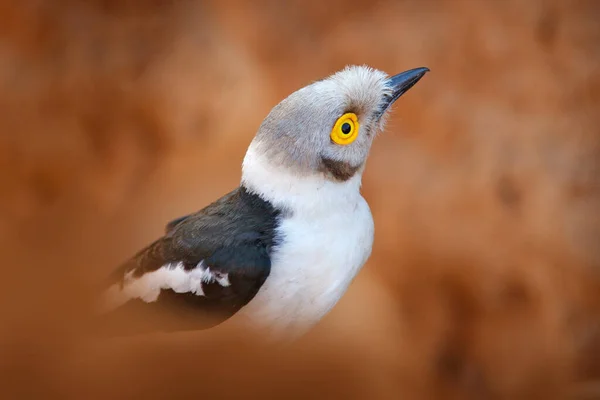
x: 345, y: 130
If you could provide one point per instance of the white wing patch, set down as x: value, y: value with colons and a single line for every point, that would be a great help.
x: 170, y: 276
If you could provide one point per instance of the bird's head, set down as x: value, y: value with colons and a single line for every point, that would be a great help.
x: 328, y: 127
x: 321, y: 135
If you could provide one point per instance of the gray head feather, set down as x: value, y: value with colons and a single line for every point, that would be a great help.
x: 296, y: 133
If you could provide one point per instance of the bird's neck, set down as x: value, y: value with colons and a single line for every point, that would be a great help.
x: 286, y: 189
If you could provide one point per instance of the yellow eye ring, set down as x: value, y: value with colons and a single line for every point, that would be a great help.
x: 345, y: 130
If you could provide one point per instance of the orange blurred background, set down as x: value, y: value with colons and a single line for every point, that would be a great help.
x: 484, y: 283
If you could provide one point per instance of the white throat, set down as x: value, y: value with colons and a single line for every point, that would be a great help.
x: 311, y: 268
x: 300, y: 193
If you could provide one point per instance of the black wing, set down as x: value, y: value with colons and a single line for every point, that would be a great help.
x: 205, y: 269
x: 172, y: 224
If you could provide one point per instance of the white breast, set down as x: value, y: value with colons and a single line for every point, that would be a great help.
x: 313, y: 268
x: 326, y: 238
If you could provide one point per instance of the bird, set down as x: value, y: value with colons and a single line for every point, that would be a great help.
x: 281, y: 249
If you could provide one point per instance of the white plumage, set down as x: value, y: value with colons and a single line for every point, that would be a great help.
x: 328, y: 236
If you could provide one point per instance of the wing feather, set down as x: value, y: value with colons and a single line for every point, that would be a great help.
x: 205, y: 269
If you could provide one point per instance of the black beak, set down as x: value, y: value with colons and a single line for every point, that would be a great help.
x: 401, y: 83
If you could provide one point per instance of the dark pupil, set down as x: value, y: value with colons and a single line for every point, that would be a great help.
x: 346, y: 128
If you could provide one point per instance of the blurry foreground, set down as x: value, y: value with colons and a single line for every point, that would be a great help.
x: 485, y: 276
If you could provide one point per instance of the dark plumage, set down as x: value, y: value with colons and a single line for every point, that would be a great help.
x: 338, y: 170
x: 233, y: 237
